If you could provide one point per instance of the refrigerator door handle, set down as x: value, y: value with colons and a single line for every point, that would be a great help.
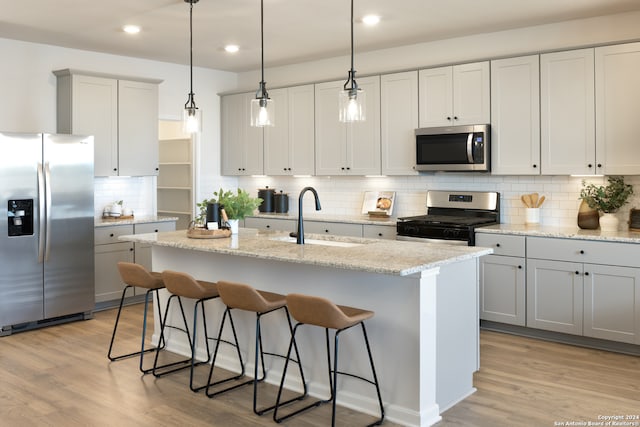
x: 41, y: 213
x: 47, y: 187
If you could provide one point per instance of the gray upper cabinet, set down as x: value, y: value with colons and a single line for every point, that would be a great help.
x: 515, y: 116
x: 289, y: 145
x: 399, y: 119
x: 242, y: 145
x: 617, y: 104
x: 347, y: 148
x: 121, y: 114
x: 568, y: 141
x: 455, y: 95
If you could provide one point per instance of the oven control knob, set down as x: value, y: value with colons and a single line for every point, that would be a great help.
x: 452, y: 233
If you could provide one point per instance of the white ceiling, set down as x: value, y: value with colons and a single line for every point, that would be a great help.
x: 295, y: 30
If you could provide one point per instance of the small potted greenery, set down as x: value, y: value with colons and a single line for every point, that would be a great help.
x: 607, y: 199
x: 237, y: 205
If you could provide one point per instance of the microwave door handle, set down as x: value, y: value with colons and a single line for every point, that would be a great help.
x: 470, y: 147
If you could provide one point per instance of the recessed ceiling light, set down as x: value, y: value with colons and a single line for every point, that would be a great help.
x: 131, y: 29
x: 231, y: 48
x: 371, y: 20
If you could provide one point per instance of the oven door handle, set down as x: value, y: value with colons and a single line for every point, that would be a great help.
x: 470, y: 148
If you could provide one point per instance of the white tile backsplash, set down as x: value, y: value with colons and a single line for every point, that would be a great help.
x: 137, y: 193
x: 343, y: 195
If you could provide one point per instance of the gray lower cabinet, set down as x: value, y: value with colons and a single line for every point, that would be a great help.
x: 580, y: 287
x: 612, y: 303
x: 379, y: 231
x: 108, y: 252
x: 554, y: 296
x: 502, y: 279
x: 274, y: 224
x: 333, y: 228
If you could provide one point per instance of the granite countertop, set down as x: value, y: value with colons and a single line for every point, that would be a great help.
x: 353, y: 219
x: 100, y: 222
x: 369, y: 255
x: 562, y: 232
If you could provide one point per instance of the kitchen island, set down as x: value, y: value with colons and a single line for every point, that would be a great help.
x: 424, y: 335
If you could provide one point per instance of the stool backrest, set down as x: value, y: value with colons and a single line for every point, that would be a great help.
x: 136, y: 275
x: 241, y: 296
x: 183, y: 284
x: 317, y: 311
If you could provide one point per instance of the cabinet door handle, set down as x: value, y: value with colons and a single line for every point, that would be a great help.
x: 326, y: 231
x: 599, y: 165
x: 535, y: 166
x: 586, y: 273
x: 589, y: 165
x: 449, y: 118
x: 577, y: 273
x: 380, y: 234
x: 520, y: 267
x: 130, y: 249
x: 455, y: 117
x: 581, y: 252
x: 111, y: 235
x: 156, y: 230
x: 268, y: 226
x: 497, y: 245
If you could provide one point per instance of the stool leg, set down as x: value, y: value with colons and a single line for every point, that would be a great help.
x: 195, y: 341
x: 161, y: 343
x: 334, y: 385
x: 375, y: 377
x: 210, y: 384
x: 292, y: 345
x: 184, y: 362
x: 115, y: 328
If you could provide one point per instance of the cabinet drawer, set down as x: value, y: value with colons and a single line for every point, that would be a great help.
x: 279, y: 224
x: 379, y: 232
x: 154, y: 227
x: 107, y: 235
x: 502, y: 244
x: 335, y: 228
x: 588, y: 251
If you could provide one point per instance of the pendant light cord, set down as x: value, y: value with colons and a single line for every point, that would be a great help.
x: 352, y: 73
x: 262, y: 39
x: 190, y: 101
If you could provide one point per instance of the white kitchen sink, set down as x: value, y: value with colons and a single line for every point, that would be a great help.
x: 337, y: 243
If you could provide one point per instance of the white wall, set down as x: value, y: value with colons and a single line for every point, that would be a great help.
x: 559, y: 36
x: 28, y: 104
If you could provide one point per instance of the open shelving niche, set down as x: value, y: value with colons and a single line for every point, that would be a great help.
x: 176, y: 179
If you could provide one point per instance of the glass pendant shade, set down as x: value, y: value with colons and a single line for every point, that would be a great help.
x: 191, y: 120
x: 352, y: 105
x: 262, y: 112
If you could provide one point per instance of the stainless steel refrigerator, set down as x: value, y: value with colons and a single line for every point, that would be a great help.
x: 46, y: 230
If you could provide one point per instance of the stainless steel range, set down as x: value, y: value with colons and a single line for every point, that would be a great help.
x: 452, y: 217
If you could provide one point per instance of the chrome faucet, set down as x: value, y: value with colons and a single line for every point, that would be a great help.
x: 300, y: 236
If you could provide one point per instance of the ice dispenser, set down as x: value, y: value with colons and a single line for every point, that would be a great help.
x: 20, y: 214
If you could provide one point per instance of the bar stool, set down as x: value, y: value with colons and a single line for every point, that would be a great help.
x: 182, y: 285
x: 244, y: 297
x: 135, y: 275
x: 321, y: 312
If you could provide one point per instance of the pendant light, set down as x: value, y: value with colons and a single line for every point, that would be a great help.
x: 262, y: 107
x: 352, y: 100
x: 191, y: 116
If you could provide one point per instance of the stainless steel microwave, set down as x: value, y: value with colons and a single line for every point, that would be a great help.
x: 453, y: 149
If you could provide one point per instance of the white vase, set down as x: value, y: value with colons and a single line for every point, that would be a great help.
x: 609, y: 222
x: 233, y: 224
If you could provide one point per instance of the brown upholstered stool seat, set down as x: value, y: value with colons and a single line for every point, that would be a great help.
x: 183, y: 285
x: 241, y: 296
x: 135, y: 275
x: 318, y: 311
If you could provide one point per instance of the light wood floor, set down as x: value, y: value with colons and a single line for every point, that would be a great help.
x: 60, y: 376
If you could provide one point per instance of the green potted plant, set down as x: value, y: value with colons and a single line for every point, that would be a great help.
x: 237, y: 205
x: 607, y: 199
